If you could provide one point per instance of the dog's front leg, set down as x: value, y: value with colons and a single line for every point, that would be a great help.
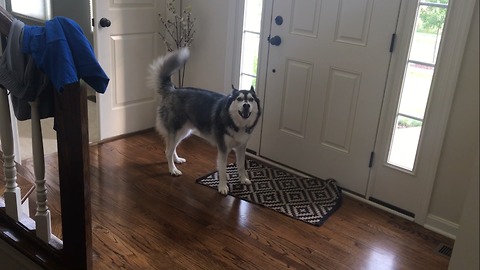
x: 242, y: 173
x: 222, y: 172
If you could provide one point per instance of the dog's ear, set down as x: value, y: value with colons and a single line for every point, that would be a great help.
x: 234, y: 90
x: 252, y: 91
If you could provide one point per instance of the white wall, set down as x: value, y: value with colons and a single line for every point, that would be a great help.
x: 461, y: 140
x: 207, y: 66
x: 466, y: 249
x: 77, y: 10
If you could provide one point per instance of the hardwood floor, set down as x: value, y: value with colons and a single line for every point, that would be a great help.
x: 143, y: 218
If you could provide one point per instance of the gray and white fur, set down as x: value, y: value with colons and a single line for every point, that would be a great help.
x: 226, y: 121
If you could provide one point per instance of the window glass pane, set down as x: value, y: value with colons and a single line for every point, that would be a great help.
x: 428, y: 33
x: 247, y: 81
x: 38, y: 9
x: 250, y: 43
x: 416, y: 88
x: 253, y: 15
x: 403, y: 148
x: 250, y: 53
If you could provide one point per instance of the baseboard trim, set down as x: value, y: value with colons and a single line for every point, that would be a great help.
x: 376, y: 205
x: 441, y: 226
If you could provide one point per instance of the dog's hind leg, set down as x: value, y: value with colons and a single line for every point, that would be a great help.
x: 171, y: 154
x: 240, y: 156
x: 222, y: 172
x: 180, y: 136
x: 172, y: 141
x: 178, y: 159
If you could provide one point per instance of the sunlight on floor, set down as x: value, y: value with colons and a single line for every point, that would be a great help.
x: 381, y: 261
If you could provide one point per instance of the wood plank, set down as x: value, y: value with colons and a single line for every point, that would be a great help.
x: 143, y: 218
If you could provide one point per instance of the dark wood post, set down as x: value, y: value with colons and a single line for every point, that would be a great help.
x: 71, y: 124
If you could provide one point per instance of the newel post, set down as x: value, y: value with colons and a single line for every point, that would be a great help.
x: 71, y: 123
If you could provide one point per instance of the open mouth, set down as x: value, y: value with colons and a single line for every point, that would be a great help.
x: 244, y: 114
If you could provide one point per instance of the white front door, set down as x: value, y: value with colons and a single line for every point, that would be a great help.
x: 325, y: 85
x: 125, y: 49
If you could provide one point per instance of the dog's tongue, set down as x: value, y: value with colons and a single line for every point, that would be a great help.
x: 245, y: 113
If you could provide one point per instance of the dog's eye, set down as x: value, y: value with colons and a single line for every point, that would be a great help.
x: 239, y: 99
x: 250, y: 99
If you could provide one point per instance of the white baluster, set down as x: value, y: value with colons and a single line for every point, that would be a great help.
x: 12, y: 192
x: 42, y: 216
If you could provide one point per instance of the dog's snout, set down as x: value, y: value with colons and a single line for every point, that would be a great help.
x: 246, y: 106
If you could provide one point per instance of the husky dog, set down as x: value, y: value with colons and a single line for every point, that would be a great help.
x: 225, y: 121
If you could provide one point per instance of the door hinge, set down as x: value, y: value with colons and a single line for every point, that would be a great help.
x: 392, y: 42
x: 93, y: 22
x: 370, y: 162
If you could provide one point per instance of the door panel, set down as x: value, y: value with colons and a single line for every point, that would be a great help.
x: 125, y: 49
x: 325, y: 85
x: 353, y: 22
x: 340, y: 107
x: 295, y: 102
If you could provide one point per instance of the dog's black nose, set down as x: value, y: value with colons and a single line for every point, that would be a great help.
x: 246, y: 106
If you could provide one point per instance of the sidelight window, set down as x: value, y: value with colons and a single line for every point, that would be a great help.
x: 416, y: 87
x: 250, y: 43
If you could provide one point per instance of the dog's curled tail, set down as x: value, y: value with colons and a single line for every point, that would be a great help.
x: 162, y: 69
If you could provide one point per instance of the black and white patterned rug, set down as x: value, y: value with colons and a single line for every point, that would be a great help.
x: 310, y: 200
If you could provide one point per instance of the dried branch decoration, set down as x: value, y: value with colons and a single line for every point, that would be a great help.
x: 180, y: 29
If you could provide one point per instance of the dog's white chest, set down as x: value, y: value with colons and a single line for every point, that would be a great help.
x: 236, y: 138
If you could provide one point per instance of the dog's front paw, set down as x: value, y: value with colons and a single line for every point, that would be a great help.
x: 245, y: 181
x: 175, y: 172
x: 223, y: 189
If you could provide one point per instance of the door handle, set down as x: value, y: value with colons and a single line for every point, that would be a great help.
x: 104, y: 22
x: 275, y: 41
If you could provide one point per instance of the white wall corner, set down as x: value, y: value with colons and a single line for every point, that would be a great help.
x: 441, y: 226
x: 467, y: 245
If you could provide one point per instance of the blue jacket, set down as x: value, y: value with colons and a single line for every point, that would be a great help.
x: 61, y: 50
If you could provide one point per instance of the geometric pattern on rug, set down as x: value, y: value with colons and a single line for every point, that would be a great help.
x: 311, y: 200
